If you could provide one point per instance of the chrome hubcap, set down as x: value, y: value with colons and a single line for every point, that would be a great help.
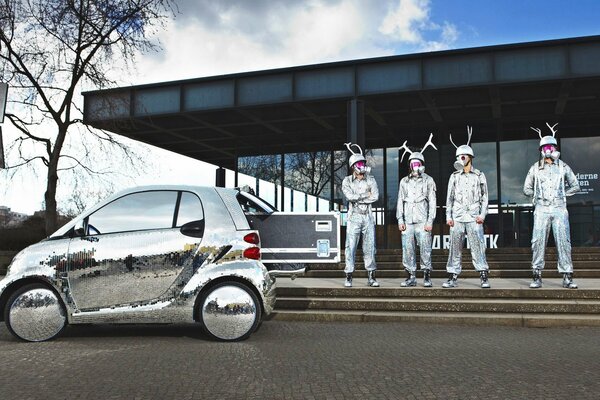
x: 229, y: 312
x: 37, y: 315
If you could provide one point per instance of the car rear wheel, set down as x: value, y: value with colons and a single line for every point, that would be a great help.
x: 35, y: 313
x: 230, y: 311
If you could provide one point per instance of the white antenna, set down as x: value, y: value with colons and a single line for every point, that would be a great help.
x: 469, y: 133
x: 406, y: 150
x: 452, y: 141
x: 538, y: 130
x: 552, y: 128
x: 429, y: 142
x: 349, y: 147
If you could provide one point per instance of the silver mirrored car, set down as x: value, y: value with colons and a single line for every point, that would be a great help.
x: 164, y: 254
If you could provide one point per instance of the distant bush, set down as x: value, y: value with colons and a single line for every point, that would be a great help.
x: 31, y: 231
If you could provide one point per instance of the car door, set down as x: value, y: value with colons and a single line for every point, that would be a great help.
x: 137, y: 249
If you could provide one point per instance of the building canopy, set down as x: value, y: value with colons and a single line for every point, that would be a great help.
x: 500, y: 90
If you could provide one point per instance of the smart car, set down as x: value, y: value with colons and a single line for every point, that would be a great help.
x: 164, y: 254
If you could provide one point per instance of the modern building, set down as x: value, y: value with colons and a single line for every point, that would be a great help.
x: 283, y: 131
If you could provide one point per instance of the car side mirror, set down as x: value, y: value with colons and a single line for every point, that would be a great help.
x: 193, y: 229
x: 79, y: 229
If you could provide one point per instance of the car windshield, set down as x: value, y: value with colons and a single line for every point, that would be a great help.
x: 253, y: 204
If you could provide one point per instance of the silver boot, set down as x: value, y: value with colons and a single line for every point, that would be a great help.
x: 568, y: 281
x: 451, y: 282
x: 410, y: 281
x: 485, y: 283
x: 537, y: 279
x: 348, y: 282
x: 371, y: 281
x: 427, y: 278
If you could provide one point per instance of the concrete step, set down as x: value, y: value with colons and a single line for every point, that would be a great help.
x: 546, y: 320
x: 508, y: 302
x: 470, y: 291
x: 490, y: 257
x: 468, y: 272
x: 442, y: 265
x: 500, y: 250
x: 430, y: 304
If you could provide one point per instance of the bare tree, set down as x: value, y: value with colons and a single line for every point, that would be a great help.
x: 49, y: 48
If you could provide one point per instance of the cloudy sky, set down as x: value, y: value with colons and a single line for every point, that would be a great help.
x: 210, y: 37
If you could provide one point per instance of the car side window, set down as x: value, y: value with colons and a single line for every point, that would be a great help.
x: 134, y: 212
x: 190, y: 209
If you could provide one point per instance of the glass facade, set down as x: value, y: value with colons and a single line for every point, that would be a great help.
x: 312, y: 182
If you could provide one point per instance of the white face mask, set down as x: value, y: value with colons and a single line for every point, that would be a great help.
x: 551, y: 154
x: 417, y: 168
x: 461, y: 161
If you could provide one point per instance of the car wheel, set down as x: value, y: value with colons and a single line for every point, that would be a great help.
x: 35, y: 313
x: 229, y: 311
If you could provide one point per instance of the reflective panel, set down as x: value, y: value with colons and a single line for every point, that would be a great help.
x: 137, y: 211
x: 516, y: 157
x: 190, y: 209
x: 37, y: 315
x: 229, y: 312
x: 130, y: 267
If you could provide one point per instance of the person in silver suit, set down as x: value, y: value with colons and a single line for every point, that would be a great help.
x: 415, y: 213
x: 466, y: 209
x: 360, y: 190
x: 548, y: 182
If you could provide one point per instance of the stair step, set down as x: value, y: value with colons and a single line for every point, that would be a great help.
x: 442, y: 265
x: 441, y: 273
x: 490, y: 257
x: 438, y: 292
x: 476, y: 319
x: 443, y: 305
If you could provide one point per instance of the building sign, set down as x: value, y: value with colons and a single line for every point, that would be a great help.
x: 588, y: 183
x: 443, y: 241
x: 582, y: 156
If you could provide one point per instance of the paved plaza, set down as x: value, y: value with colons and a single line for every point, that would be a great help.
x: 303, y: 360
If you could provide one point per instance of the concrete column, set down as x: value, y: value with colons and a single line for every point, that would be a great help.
x: 356, y: 122
x: 220, y: 177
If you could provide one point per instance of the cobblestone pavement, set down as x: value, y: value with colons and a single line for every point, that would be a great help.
x: 303, y: 360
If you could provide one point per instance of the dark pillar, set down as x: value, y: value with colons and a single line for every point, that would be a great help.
x: 2, y: 165
x: 220, y: 177
x: 356, y: 122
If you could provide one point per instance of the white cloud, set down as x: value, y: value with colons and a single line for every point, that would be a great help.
x: 221, y: 37
x: 404, y: 22
x: 234, y: 37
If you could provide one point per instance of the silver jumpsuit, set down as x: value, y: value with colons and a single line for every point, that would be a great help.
x: 360, y: 193
x: 416, y: 210
x: 548, y: 185
x: 467, y: 199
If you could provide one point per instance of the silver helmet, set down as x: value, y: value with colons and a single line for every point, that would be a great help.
x: 544, y: 140
x: 355, y: 159
x: 463, y: 150
x: 417, y: 155
x: 548, y: 141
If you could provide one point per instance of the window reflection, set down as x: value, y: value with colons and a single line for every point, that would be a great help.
x: 190, y: 209
x: 263, y: 175
x: 582, y: 156
x: 375, y: 161
x: 137, y: 211
x: 485, y: 161
x: 308, y: 173
x: 516, y: 157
